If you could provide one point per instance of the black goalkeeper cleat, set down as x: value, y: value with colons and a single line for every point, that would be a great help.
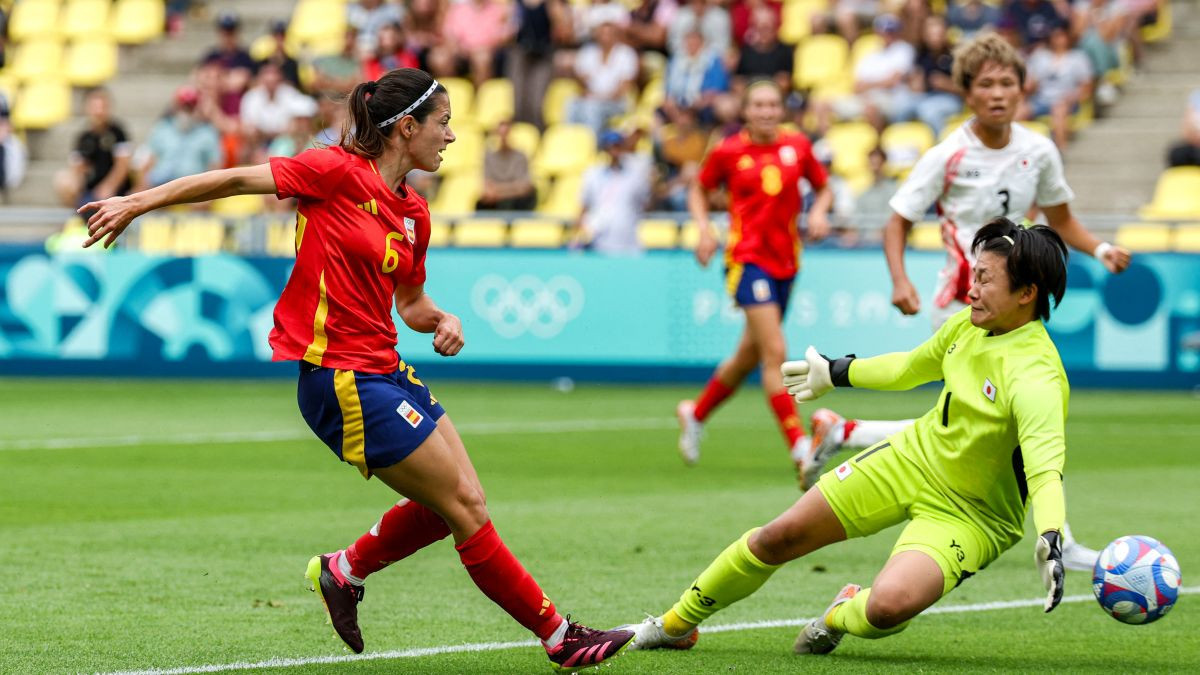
x: 583, y: 647
x: 340, y: 597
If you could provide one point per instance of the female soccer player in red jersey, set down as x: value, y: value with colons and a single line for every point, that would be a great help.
x: 361, y: 239
x: 761, y: 168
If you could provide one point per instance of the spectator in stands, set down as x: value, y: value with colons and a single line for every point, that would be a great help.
x: 298, y: 137
x: 842, y: 231
x: 14, y: 160
x: 608, y: 71
x: 939, y: 99
x: 279, y: 54
x: 331, y: 117
x: 473, y: 33
x: 99, y: 163
x: 849, y: 16
x: 1187, y: 151
x: 763, y: 56
x: 871, y: 210
x: 680, y: 148
x: 530, y: 60
x: 1101, y: 26
x: 507, y: 185
x: 881, y: 82
x: 339, y: 72
x: 614, y: 198
x: 391, y: 53
x: 181, y: 144
x: 1059, y: 79
x: 367, y: 17
x: 695, y: 77
x: 971, y: 16
x: 269, y: 107
x: 741, y: 17
x: 210, y: 85
x: 176, y: 12
x: 710, y: 17
x: 423, y: 26
x: 1031, y: 20
x: 236, y: 66
x: 648, y: 23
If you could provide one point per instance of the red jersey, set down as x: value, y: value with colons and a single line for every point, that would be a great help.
x: 764, y: 197
x: 356, y: 240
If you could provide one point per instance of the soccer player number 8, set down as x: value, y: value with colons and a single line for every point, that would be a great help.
x: 391, y: 257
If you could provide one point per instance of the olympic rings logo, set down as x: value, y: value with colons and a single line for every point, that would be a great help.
x: 527, y: 304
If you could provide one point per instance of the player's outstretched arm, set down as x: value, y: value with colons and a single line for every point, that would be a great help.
x: 895, y: 238
x: 420, y: 313
x: 1060, y: 218
x: 697, y: 203
x: 113, y: 215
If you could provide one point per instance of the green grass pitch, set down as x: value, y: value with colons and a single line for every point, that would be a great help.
x: 166, y: 525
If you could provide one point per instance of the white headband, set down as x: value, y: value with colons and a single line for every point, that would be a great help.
x: 414, y: 106
x: 1009, y: 240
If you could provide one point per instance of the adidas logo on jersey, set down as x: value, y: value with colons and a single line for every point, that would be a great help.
x: 370, y: 207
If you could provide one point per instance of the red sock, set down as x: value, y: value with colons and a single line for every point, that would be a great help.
x: 498, y: 573
x: 714, y: 393
x: 405, y: 529
x: 785, y: 411
x: 847, y: 429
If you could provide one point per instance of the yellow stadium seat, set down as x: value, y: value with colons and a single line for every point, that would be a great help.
x: 199, y: 236
x: 8, y: 86
x: 263, y: 47
x: 850, y: 143
x: 281, y: 238
x: 652, y: 98
x: 926, y: 236
x: 536, y: 233
x: 658, y: 233
x: 904, y: 143
x: 689, y: 235
x: 135, y: 22
x: 36, y: 59
x: 155, y: 235
x: 1186, y: 238
x: 34, y: 19
x: 91, y: 61
x: 565, y: 148
x: 494, y: 102
x: 439, y: 233
x: 796, y: 21
x: 238, y: 206
x: 820, y: 59
x: 1161, y: 28
x: 317, y: 22
x: 863, y: 47
x: 522, y: 136
x: 42, y: 104
x: 952, y: 124
x: 1176, y: 195
x: 1144, y: 237
x: 465, y: 153
x: 480, y: 233
x: 457, y: 194
x: 462, y: 97
x: 554, y: 103
x: 85, y: 18
x: 562, y: 199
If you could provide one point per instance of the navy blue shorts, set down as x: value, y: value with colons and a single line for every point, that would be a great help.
x: 367, y: 419
x: 749, y: 285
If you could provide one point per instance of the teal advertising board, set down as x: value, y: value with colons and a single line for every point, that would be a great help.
x: 543, y: 312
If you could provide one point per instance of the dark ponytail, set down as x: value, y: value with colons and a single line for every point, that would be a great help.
x: 374, y: 102
x: 1035, y: 256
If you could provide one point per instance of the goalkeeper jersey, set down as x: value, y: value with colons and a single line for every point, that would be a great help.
x: 996, y: 439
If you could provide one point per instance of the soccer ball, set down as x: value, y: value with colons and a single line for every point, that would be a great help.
x: 1136, y: 580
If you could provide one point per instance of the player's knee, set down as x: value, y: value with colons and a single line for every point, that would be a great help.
x: 889, y: 605
x: 776, y: 543
x: 466, y: 507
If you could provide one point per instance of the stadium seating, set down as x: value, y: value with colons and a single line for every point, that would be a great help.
x: 458, y: 194
x: 462, y: 98
x: 319, y: 24
x: 537, y: 233
x: 658, y: 233
x: 36, y: 59
x: 926, y: 236
x: 281, y: 238
x: 558, y: 94
x: 42, y: 104
x: 198, y: 236
x: 1161, y: 29
x: 91, y: 61
x: 439, y: 233
x: 32, y: 19
x: 821, y: 59
x: 562, y: 198
x: 689, y: 235
x: 1176, y: 195
x: 493, y: 102
x: 238, y: 206
x: 465, y: 153
x: 85, y: 18
x: 480, y: 233
x: 565, y: 148
x: 796, y: 19
x: 522, y: 136
x: 863, y: 47
x: 1144, y: 237
x: 155, y: 235
x: 1186, y: 238
x: 904, y: 143
x: 135, y: 22
x: 850, y: 143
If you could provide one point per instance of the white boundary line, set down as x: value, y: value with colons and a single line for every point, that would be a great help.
x: 496, y: 646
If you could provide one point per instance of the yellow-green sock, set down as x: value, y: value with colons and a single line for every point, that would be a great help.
x: 851, y: 617
x: 674, y: 625
x: 735, y: 574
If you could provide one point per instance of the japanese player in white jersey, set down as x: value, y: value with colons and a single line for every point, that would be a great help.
x: 987, y: 168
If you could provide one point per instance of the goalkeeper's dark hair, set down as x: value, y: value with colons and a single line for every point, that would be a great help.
x: 1036, y: 256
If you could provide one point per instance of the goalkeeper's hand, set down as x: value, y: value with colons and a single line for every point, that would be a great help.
x: 1048, y: 557
x: 808, y: 379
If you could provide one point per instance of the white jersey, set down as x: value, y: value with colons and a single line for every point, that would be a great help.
x: 972, y: 184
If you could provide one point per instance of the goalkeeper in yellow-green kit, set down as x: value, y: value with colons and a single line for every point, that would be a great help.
x: 962, y: 475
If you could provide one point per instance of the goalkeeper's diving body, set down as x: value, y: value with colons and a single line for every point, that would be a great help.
x: 962, y: 474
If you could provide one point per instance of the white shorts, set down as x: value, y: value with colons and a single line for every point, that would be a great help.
x: 939, y: 315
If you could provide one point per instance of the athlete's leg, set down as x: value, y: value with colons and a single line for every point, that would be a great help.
x: 763, y: 325
x: 908, y: 584
x: 728, y: 376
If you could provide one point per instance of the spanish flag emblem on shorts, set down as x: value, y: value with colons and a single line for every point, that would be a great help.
x: 410, y: 414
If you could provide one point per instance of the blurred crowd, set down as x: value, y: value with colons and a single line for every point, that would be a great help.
x: 241, y: 107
